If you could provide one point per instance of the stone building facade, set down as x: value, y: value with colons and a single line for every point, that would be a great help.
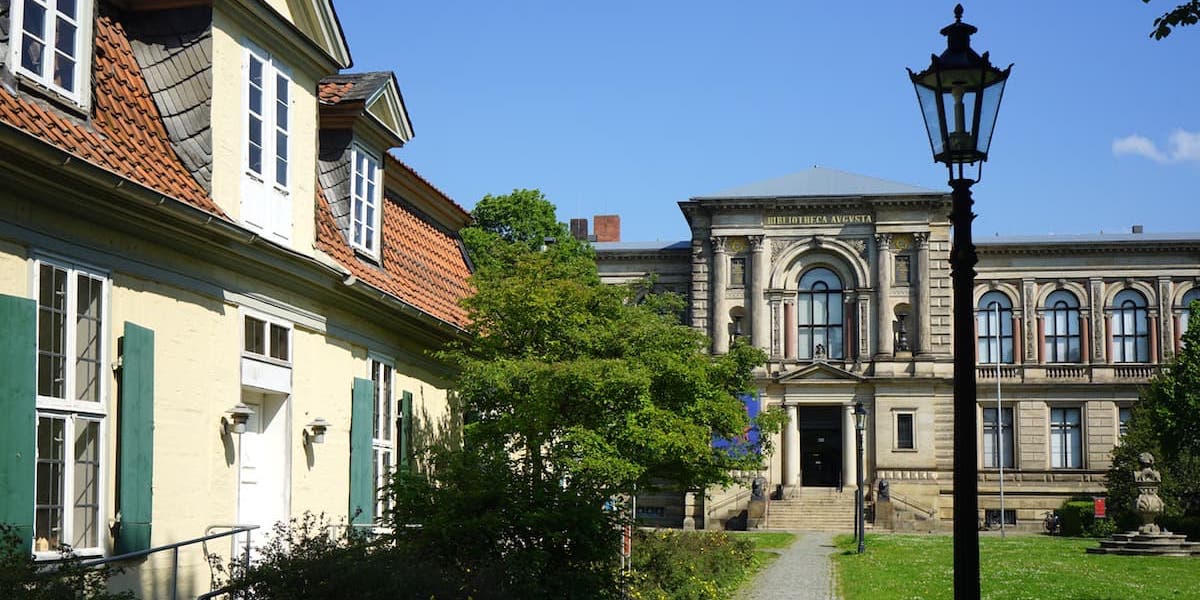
x: 844, y: 281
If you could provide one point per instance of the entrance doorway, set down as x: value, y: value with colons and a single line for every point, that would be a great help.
x: 820, y: 446
x: 263, y: 497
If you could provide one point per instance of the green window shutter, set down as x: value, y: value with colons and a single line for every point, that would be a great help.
x: 18, y: 413
x: 405, y: 433
x: 362, y: 480
x: 135, y: 475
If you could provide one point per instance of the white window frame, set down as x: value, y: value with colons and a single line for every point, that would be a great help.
x: 1082, y: 460
x: 85, y: 13
x: 71, y: 411
x: 1009, y: 438
x: 364, y: 230
x: 266, y: 202
x: 911, y: 413
x: 1122, y: 427
x: 268, y: 322
x: 384, y: 427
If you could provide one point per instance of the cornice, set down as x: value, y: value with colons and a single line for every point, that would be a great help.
x: 1060, y: 248
x: 109, y: 200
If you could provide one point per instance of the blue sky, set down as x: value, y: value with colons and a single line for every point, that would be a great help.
x: 629, y: 107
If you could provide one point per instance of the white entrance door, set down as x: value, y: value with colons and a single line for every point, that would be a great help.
x: 262, y: 467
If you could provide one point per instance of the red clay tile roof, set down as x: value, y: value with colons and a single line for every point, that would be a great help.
x: 392, y: 160
x: 422, y: 265
x: 125, y: 135
x: 331, y: 92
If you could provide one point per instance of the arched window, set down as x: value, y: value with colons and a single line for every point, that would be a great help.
x: 994, y: 323
x: 1061, y: 324
x: 1192, y: 295
x: 819, y: 315
x: 1131, y: 336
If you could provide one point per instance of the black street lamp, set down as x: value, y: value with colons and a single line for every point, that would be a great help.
x: 860, y: 424
x: 972, y: 88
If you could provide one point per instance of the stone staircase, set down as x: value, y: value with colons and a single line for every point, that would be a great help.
x: 814, y: 509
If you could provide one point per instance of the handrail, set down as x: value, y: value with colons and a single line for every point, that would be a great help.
x: 174, y: 547
x: 728, y: 500
x: 928, y: 512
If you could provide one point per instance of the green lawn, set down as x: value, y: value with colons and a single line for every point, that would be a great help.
x: 1021, y: 566
x: 767, y: 539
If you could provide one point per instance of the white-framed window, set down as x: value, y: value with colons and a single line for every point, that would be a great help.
x: 72, y: 403
x: 52, y: 45
x: 365, y: 194
x: 1124, y: 414
x: 267, y: 338
x: 906, y: 429
x: 1130, y: 328
x: 1066, y: 437
x: 993, y: 328
x: 266, y: 204
x: 998, y: 438
x: 384, y: 430
x: 1185, y: 312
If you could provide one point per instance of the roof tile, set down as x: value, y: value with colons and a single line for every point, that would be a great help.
x: 125, y: 134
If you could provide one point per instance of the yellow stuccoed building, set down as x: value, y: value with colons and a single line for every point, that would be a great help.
x: 218, y: 290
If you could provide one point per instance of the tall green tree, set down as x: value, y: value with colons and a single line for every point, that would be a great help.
x: 1166, y: 423
x: 505, y: 227
x: 577, y: 394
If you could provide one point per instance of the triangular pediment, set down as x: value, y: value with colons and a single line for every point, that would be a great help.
x: 387, y: 106
x: 317, y: 19
x: 819, y: 371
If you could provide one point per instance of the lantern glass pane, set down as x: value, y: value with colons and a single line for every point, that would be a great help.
x: 929, y: 111
x: 988, y: 112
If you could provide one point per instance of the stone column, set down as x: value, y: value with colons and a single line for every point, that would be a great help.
x: 1085, y: 349
x: 720, y: 314
x: 1178, y: 324
x: 756, y: 299
x: 924, y: 331
x: 1018, y: 356
x: 849, y: 347
x: 689, y: 511
x: 883, y: 289
x: 791, y: 446
x: 1108, y: 335
x: 1041, y: 337
x: 1152, y: 317
x: 863, y: 318
x: 789, y: 330
x: 849, y: 456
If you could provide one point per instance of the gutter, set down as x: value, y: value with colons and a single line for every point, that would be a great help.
x: 25, y: 144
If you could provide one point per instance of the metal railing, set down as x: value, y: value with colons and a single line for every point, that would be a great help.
x: 928, y: 513
x: 174, y: 548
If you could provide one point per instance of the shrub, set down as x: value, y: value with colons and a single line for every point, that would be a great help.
x: 1079, y: 520
x: 22, y: 577
x: 1182, y: 524
x: 689, y: 565
x: 309, y: 558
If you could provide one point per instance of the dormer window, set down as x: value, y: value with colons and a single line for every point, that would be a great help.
x: 52, y: 44
x: 364, y: 201
x: 266, y: 205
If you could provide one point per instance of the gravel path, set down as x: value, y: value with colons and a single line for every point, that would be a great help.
x: 802, y: 572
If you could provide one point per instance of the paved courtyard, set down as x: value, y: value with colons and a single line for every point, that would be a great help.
x: 802, y: 572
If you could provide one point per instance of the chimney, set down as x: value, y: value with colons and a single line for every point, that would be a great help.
x: 1136, y: 229
x: 608, y: 228
x: 579, y: 229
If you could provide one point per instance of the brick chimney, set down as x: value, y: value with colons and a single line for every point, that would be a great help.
x: 607, y: 227
x: 579, y: 229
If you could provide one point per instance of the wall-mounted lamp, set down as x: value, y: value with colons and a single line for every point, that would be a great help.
x: 239, y: 415
x: 314, y: 432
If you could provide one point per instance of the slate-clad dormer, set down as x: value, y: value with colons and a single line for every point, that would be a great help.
x: 362, y: 117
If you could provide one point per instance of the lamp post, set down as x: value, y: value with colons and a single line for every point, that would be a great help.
x: 860, y: 424
x: 972, y: 88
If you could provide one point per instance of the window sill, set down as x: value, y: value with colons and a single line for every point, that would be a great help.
x: 68, y: 104
x: 906, y: 450
x: 374, y: 258
x: 55, y: 556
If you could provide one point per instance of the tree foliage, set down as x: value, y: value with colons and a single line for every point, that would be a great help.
x: 1165, y: 423
x: 577, y: 394
x: 505, y: 227
x: 23, y: 577
x: 1182, y: 15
